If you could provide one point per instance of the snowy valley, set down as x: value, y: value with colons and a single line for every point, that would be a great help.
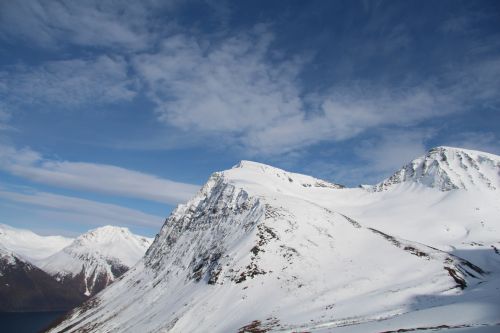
x: 259, y: 249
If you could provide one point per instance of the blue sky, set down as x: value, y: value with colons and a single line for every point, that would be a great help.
x: 113, y: 112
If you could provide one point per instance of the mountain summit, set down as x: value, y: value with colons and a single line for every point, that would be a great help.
x: 42, y: 273
x: 275, y: 175
x: 260, y: 249
x: 447, y: 168
x: 96, y: 258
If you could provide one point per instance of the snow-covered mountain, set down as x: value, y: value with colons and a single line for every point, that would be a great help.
x: 260, y: 249
x: 447, y: 168
x: 29, y: 245
x: 96, y: 258
x: 40, y: 273
x: 25, y: 287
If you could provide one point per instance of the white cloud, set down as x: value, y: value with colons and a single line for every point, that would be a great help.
x: 231, y: 87
x: 4, y: 118
x: 233, y: 90
x: 100, y: 178
x: 346, y: 113
x: 483, y: 141
x: 122, y: 24
x: 392, y: 150
x: 69, y: 83
x: 477, y: 84
x: 222, y: 87
x: 82, y: 210
x: 375, y: 159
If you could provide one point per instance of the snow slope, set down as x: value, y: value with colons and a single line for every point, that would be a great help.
x: 96, y: 258
x: 261, y: 249
x: 6, y: 256
x: 29, y: 245
x: 39, y: 273
x: 447, y: 168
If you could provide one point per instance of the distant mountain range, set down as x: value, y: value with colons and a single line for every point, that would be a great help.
x: 42, y: 273
x: 260, y: 249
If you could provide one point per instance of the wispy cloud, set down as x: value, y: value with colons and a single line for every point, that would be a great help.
x: 85, y: 211
x: 4, y: 118
x: 115, y: 24
x: 224, y: 87
x: 376, y: 158
x: 345, y: 113
x: 238, y: 86
x: 235, y: 90
x: 99, y: 178
x: 388, y: 153
x: 68, y: 83
x: 485, y: 141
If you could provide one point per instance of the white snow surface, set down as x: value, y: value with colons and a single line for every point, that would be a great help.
x: 448, y: 168
x: 109, y: 242
x: 262, y: 248
x: 29, y: 245
x: 96, y: 252
x: 7, y: 257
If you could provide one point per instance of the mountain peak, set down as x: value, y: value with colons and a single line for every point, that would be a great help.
x: 246, y: 172
x: 112, y: 242
x: 257, y: 232
x: 449, y: 168
x: 99, y: 256
x: 105, y: 233
x: 257, y: 167
x: 249, y: 164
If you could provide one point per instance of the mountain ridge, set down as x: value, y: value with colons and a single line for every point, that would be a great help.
x: 96, y: 258
x: 449, y: 168
x: 77, y: 267
x: 30, y: 245
x: 252, y: 234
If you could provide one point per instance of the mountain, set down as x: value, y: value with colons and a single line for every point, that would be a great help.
x: 95, y: 259
x: 25, y: 287
x: 260, y: 249
x: 41, y: 273
x: 29, y: 245
x: 447, y: 168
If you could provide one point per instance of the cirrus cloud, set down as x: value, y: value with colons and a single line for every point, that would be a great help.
x: 68, y: 83
x: 88, y: 211
x: 51, y: 24
x: 235, y: 89
x: 93, y: 177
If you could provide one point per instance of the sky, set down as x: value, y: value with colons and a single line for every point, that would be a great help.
x: 114, y: 112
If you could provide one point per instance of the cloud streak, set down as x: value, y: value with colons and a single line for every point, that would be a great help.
x: 83, y: 210
x: 93, y: 177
